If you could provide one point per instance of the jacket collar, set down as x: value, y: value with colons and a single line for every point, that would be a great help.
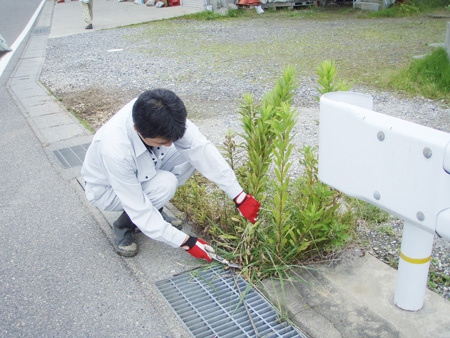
x: 136, y: 142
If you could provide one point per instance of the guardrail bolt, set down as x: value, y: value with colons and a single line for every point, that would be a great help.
x: 427, y: 152
x: 420, y: 216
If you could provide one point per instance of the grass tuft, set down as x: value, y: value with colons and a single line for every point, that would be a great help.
x: 428, y: 77
x: 408, y: 8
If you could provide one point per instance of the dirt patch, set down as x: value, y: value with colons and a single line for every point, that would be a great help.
x: 95, y: 105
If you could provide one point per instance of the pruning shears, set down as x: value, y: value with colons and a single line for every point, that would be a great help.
x: 222, y: 260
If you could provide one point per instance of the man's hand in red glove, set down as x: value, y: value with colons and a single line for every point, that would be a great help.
x: 248, y: 206
x: 197, y: 248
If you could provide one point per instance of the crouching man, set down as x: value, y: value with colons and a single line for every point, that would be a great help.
x: 139, y: 158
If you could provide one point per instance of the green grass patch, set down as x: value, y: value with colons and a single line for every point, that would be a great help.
x: 210, y: 15
x: 250, y: 13
x: 428, y: 4
x: 437, y: 276
x: 376, y: 49
x: 396, y: 11
x: 408, y: 8
x: 428, y: 77
x: 369, y: 213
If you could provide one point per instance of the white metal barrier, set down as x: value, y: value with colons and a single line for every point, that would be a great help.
x: 399, y: 166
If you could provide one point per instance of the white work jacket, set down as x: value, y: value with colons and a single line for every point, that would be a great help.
x: 118, y: 158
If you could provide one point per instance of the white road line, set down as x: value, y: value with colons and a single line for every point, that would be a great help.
x: 7, y: 57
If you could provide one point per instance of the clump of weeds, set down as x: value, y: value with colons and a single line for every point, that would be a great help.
x: 301, y: 219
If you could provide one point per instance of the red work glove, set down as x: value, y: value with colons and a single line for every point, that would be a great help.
x: 197, y: 248
x: 248, y: 206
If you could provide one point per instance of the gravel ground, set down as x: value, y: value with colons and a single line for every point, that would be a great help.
x: 210, y: 65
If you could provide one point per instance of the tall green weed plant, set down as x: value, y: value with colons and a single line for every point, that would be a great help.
x: 328, y: 80
x: 301, y: 219
x: 266, y: 126
x: 323, y: 218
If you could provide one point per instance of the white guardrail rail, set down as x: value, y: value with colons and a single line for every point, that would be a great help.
x: 399, y: 166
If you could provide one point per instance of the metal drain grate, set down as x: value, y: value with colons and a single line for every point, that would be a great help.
x: 41, y: 30
x: 208, y: 301
x: 71, y: 157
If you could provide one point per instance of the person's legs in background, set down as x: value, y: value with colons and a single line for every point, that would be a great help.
x: 88, y: 13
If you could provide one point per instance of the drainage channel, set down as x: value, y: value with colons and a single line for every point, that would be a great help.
x: 213, y: 302
x: 72, y: 156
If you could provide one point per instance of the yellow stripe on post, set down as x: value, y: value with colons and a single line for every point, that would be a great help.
x: 415, y: 260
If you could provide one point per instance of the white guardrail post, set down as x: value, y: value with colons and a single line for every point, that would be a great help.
x: 399, y: 166
x: 412, y: 277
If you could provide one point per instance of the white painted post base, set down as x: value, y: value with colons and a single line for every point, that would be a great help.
x: 415, y: 256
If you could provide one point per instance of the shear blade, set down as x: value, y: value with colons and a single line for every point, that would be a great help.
x: 224, y: 261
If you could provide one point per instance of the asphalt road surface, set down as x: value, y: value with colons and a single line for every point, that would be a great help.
x: 14, y: 16
x: 59, y: 276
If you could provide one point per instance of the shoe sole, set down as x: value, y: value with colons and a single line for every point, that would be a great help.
x: 126, y: 253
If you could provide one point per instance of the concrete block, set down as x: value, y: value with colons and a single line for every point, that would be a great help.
x: 368, y: 6
x: 39, y: 110
x: 36, y: 47
x: 61, y: 132
x: 33, y: 101
x: 25, y: 87
x: 52, y: 120
x: 34, y: 53
x: 30, y: 67
x: 437, y: 45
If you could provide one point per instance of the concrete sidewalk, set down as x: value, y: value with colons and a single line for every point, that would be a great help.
x: 354, y: 299
x: 68, y: 17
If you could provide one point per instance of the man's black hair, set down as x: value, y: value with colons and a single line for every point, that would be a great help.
x: 160, y: 113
